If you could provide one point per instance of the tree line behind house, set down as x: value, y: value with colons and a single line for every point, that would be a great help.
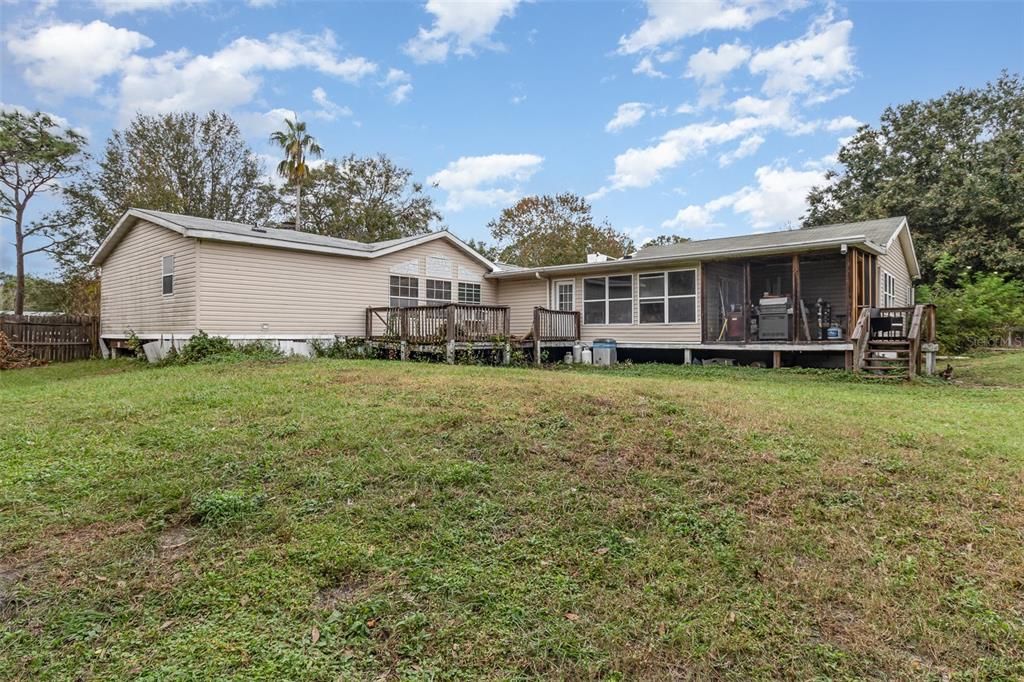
x: 953, y: 165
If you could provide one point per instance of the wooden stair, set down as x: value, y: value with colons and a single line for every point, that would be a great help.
x: 895, y: 353
x: 888, y: 358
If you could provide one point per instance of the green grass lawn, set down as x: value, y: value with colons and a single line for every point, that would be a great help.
x: 368, y: 520
x: 998, y: 368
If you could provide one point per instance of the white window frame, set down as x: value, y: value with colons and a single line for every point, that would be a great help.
x: 392, y: 284
x: 607, y: 300
x: 555, y: 301
x: 432, y: 283
x: 166, y: 272
x: 665, y: 296
x: 888, y: 289
x: 474, y: 287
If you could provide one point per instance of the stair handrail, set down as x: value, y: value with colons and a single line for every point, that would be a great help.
x: 914, y: 336
x: 860, y: 335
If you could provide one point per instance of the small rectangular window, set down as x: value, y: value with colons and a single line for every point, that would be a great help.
x: 167, y: 265
x: 439, y: 292
x: 469, y: 293
x: 405, y: 292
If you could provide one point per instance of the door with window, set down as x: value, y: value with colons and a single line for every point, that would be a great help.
x: 564, y: 295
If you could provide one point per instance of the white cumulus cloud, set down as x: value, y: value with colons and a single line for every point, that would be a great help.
x: 778, y: 199
x: 458, y: 27
x: 180, y: 81
x: 692, y: 217
x: 328, y: 111
x: 710, y: 66
x: 843, y: 123
x: 670, y: 20
x: 399, y: 83
x: 746, y: 148
x: 485, y: 180
x: 642, y: 166
x: 627, y: 116
x: 70, y: 59
x: 822, y: 57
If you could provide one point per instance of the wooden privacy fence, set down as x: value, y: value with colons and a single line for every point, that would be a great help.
x: 53, y: 338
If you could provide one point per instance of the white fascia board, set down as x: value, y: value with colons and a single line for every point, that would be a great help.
x: 122, y: 226
x: 635, y: 263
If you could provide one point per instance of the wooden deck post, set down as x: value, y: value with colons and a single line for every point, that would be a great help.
x: 506, y: 353
x: 776, y: 359
x: 537, y: 337
x: 796, y: 297
x: 748, y: 296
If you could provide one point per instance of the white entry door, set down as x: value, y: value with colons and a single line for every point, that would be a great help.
x: 564, y: 295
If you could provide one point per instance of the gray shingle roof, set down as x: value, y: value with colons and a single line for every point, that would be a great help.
x: 270, y: 234
x: 228, y: 231
x: 877, y: 232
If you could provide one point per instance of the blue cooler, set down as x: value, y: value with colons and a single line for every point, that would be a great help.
x: 605, y: 352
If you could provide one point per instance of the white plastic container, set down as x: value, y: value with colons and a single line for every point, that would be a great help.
x: 587, y: 357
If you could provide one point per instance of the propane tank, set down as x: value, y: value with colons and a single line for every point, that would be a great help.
x: 577, y: 353
x: 587, y: 357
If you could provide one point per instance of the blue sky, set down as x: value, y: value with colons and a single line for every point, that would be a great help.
x: 701, y: 118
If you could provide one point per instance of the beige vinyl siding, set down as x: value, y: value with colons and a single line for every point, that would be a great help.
x: 131, y: 291
x: 894, y: 262
x: 637, y: 333
x: 278, y: 292
x: 522, y: 296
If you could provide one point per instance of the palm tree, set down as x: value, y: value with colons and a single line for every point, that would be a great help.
x: 296, y: 144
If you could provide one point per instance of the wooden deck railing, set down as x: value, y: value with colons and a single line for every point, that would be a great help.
x: 556, y: 325
x: 437, y: 324
x: 892, y: 324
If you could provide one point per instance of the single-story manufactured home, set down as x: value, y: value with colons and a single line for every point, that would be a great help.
x: 832, y: 295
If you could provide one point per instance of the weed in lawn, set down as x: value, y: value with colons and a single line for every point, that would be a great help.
x: 222, y: 507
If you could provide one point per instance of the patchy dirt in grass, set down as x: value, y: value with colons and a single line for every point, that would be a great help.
x: 9, y: 575
x: 339, y: 596
x: 173, y: 543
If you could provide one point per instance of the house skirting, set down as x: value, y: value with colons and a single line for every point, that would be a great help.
x: 295, y: 343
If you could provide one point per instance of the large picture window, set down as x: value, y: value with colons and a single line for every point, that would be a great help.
x: 608, y: 300
x: 668, y: 297
x: 167, y: 271
x: 439, y: 292
x: 469, y: 293
x: 405, y: 291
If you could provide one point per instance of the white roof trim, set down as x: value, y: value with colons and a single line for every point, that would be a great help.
x: 909, y: 252
x: 132, y: 215
x: 636, y: 263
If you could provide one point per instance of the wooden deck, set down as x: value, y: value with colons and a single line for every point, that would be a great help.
x: 453, y: 327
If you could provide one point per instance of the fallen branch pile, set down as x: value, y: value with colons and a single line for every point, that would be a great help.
x: 15, y: 358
